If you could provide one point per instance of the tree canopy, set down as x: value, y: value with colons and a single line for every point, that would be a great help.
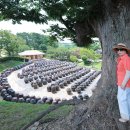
x: 71, y: 13
x: 11, y: 43
x: 38, y: 41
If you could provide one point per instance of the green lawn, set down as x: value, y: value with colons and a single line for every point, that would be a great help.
x: 96, y: 65
x: 9, y: 64
x: 60, y: 112
x: 13, y: 116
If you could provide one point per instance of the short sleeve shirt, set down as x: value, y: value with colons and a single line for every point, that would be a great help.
x: 123, y: 64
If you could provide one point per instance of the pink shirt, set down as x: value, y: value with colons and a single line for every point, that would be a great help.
x: 123, y: 64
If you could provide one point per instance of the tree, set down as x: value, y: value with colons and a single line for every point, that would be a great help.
x: 11, y: 43
x: 109, y: 21
x: 38, y: 41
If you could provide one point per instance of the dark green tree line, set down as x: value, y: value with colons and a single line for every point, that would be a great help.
x: 38, y: 41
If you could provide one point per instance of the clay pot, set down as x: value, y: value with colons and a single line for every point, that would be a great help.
x: 1, y: 88
x: 33, y: 101
x: 39, y: 82
x: 8, y: 98
x: 44, y: 82
x: 80, y: 97
x: 27, y: 100
x: 11, y: 92
x: 74, y: 97
x: 21, y: 100
x: 14, y: 99
x: 35, y: 77
x: 53, y: 89
x: 69, y: 92
x: 57, y: 99
x: 40, y: 102
x: 49, y: 100
x: 78, y: 90
x: 44, y: 99
x: 21, y: 76
x: 26, y: 80
x: 86, y: 97
x: 30, y: 79
x: 61, y: 85
x: 49, y: 88
x: 55, y: 102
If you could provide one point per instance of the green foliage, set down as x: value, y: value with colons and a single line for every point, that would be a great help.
x: 11, y: 43
x: 38, y: 41
x: 3, y: 59
x: 58, y: 53
x: 67, y: 45
x: 68, y: 12
x: 84, y: 58
x: 95, y: 46
x: 9, y: 64
x: 73, y: 58
x: 89, y: 53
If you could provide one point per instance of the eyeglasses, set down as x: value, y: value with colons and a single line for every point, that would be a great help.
x: 120, y: 49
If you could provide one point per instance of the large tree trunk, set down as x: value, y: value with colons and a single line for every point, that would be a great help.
x: 101, y: 111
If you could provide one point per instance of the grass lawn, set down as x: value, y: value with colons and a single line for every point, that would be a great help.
x: 60, y: 112
x: 9, y: 64
x: 96, y: 65
x: 13, y: 116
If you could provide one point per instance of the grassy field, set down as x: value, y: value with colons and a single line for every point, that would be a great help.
x: 9, y: 64
x: 13, y: 116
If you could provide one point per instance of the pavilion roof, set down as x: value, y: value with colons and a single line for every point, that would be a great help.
x: 31, y: 52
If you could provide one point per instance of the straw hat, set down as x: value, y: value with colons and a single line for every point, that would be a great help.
x: 122, y: 46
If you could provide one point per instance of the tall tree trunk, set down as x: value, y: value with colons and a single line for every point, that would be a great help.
x: 113, y: 29
x: 101, y: 111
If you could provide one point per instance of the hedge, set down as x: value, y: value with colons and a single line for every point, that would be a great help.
x: 12, y: 58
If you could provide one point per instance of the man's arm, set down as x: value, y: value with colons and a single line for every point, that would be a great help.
x: 126, y: 78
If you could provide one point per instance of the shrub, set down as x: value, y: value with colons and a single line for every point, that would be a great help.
x: 12, y: 58
x: 73, y: 58
x: 86, y: 60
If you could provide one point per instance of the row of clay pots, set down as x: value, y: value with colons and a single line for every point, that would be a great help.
x: 54, y: 87
x: 9, y: 94
x: 6, y: 73
x: 84, y: 82
x: 43, y: 81
x: 53, y: 66
x: 31, y: 73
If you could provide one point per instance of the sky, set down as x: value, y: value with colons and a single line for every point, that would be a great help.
x: 24, y: 27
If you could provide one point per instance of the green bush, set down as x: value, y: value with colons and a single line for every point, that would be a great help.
x: 12, y: 58
x: 73, y: 58
x: 86, y: 60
